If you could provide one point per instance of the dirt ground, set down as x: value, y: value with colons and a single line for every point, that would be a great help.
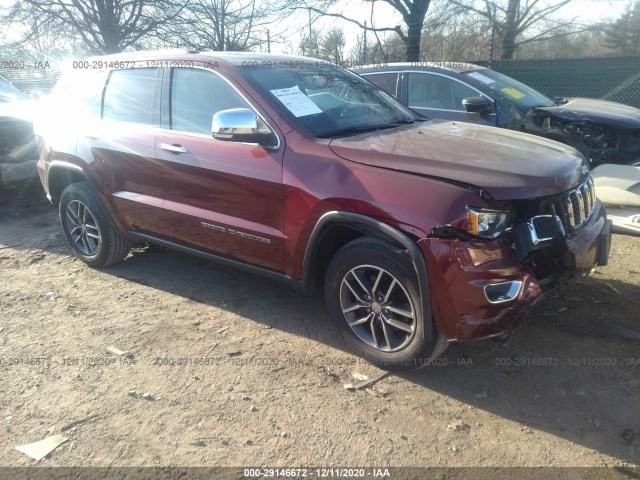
x: 229, y: 369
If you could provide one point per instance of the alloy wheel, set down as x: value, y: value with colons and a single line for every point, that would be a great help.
x: 83, y: 228
x: 378, y: 308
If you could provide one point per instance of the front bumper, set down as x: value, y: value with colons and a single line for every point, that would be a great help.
x: 478, y: 289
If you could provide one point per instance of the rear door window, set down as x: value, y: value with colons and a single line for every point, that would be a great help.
x: 79, y: 93
x: 129, y: 96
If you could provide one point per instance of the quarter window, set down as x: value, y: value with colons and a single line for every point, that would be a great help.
x: 196, y: 95
x: 129, y: 95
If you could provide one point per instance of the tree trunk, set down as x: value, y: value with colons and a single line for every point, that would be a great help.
x: 415, y: 22
x: 510, y: 31
x: 412, y: 40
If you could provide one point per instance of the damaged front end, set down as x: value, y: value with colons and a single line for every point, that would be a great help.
x: 596, y: 137
x: 482, y: 284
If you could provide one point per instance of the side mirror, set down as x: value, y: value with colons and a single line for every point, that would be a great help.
x: 240, y: 125
x: 477, y: 105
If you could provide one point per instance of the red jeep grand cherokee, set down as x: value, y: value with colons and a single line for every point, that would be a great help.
x: 420, y: 232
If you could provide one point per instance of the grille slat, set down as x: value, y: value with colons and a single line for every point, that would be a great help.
x: 586, y: 193
x: 577, y: 205
x: 580, y: 199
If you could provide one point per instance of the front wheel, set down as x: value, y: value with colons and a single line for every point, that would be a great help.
x: 372, y: 295
x: 88, y: 228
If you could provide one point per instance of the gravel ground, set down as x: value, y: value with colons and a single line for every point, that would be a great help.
x: 228, y: 369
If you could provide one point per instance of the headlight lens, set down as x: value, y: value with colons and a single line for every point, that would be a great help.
x: 488, y: 223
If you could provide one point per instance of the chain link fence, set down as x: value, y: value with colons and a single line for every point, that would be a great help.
x: 31, y: 78
x: 608, y: 78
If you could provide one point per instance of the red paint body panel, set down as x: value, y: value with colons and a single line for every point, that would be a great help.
x: 125, y: 173
x: 261, y: 205
x: 232, y: 185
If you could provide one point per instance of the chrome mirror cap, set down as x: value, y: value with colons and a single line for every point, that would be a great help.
x: 239, y: 125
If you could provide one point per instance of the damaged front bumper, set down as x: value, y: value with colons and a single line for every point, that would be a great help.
x: 478, y: 288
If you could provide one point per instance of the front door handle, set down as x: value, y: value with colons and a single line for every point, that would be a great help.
x: 173, y: 148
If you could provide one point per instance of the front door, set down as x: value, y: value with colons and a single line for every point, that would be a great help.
x: 439, y: 96
x: 224, y: 197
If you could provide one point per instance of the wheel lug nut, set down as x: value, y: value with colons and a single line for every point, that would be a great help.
x: 380, y: 298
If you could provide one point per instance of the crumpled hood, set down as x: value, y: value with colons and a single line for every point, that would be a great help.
x: 506, y: 164
x: 597, y: 111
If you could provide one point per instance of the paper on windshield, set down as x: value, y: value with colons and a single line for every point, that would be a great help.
x: 482, y: 78
x: 512, y: 92
x: 296, y: 101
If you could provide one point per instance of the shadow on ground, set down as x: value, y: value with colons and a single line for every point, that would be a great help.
x: 571, y: 368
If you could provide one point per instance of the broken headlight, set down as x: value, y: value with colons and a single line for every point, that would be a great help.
x: 489, y: 223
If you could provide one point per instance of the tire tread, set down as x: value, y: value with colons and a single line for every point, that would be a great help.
x: 117, y: 247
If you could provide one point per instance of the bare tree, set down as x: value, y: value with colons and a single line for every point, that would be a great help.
x: 26, y: 35
x: 520, y: 22
x: 413, y: 14
x: 103, y: 26
x: 219, y: 25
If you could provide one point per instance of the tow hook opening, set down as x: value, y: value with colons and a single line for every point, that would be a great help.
x: 502, y: 292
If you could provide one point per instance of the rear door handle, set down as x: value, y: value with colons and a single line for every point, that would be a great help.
x: 173, y: 148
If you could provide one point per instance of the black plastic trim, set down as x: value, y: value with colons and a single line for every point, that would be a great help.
x: 293, y: 283
x: 56, y: 165
x: 379, y: 229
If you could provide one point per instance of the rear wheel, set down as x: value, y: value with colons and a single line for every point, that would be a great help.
x: 88, y: 228
x: 372, y: 295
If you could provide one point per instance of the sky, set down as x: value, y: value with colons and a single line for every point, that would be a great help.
x: 385, y: 16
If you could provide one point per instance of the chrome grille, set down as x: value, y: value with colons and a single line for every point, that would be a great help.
x: 576, y: 206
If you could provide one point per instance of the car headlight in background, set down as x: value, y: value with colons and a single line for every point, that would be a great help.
x: 489, y: 223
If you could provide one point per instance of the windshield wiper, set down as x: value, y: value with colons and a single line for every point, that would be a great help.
x: 365, y: 128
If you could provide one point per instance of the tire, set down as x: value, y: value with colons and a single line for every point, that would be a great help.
x: 353, y: 273
x: 88, y: 229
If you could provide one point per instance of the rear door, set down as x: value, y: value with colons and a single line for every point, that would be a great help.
x: 120, y: 147
x: 220, y: 196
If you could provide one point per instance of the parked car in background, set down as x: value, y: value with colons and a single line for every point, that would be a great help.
x: 418, y: 232
x: 18, y: 150
x: 604, y: 132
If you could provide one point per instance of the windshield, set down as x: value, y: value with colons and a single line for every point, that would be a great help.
x: 9, y: 93
x: 510, y: 89
x: 326, y: 100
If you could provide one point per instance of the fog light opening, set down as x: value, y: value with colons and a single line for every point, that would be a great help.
x: 502, y: 292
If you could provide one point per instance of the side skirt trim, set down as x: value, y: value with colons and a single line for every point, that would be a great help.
x: 294, y: 283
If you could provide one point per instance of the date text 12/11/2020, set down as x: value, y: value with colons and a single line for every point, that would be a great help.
x: 316, y: 472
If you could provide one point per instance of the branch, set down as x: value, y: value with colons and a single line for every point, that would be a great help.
x: 396, y: 29
x: 549, y: 35
x: 540, y: 14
